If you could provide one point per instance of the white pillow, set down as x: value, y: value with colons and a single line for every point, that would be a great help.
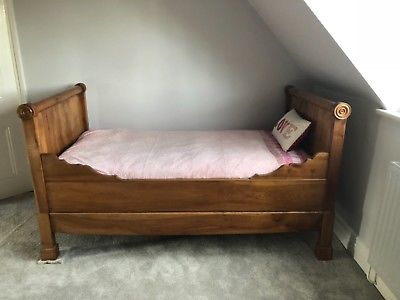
x: 290, y: 130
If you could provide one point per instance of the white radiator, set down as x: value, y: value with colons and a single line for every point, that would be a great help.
x: 384, y: 255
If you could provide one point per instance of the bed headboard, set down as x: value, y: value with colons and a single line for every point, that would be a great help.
x: 328, y: 119
x: 327, y: 132
x: 53, y: 124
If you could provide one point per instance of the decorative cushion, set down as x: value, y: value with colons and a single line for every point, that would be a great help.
x: 290, y: 130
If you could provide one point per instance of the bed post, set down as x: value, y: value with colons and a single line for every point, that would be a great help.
x: 327, y: 135
x: 48, y: 129
x: 323, y: 249
x: 49, y: 248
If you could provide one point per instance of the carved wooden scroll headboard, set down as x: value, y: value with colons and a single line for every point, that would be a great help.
x: 55, y: 123
x: 328, y: 118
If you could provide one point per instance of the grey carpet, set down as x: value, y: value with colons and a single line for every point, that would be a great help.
x: 277, y: 266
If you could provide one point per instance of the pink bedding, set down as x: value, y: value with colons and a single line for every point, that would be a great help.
x: 131, y: 154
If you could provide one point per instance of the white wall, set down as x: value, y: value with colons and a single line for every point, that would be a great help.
x: 387, y: 148
x: 176, y: 64
x: 312, y: 47
x: 369, y: 45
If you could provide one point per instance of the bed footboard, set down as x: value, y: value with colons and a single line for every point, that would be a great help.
x: 51, y: 126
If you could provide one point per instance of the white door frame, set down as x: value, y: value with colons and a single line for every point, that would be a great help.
x: 16, y: 177
x: 16, y: 52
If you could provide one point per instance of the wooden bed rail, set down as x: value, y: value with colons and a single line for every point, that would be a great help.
x: 29, y: 110
x: 341, y: 110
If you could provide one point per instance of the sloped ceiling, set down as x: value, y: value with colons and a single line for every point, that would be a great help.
x: 312, y: 47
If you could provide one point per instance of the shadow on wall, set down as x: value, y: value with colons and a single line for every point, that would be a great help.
x: 358, y: 152
x: 178, y: 64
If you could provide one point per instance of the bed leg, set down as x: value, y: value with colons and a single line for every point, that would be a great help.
x: 323, y: 249
x: 49, y: 248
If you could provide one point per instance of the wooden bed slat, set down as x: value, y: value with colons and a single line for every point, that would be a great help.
x: 175, y: 195
x: 187, y: 223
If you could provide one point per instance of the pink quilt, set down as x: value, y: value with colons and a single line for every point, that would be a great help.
x: 132, y: 154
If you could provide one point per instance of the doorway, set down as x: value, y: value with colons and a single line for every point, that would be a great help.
x: 14, y: 174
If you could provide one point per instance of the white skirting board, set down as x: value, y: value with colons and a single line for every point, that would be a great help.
x: 360, y: 253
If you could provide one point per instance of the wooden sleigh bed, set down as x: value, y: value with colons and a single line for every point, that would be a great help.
x: 78, y: 200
